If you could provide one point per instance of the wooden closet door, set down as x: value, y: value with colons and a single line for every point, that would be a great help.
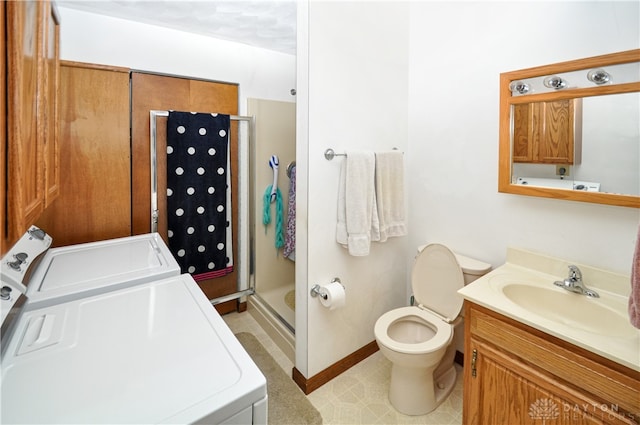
x: 95, y: 180
x: 160, y: 92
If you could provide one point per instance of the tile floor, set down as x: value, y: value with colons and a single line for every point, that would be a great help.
x: 358, y: 396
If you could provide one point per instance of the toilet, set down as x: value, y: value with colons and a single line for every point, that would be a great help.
x: 418, y: 340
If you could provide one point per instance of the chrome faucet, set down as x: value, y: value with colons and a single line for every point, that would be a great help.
x: 574, y: 283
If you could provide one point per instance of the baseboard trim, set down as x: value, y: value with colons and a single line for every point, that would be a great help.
x: 316, y: 381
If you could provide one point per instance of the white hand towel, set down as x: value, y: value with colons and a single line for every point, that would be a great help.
x: 390, y: 194
x: 356, y: 203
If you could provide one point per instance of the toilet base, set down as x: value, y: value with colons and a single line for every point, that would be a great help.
x: 413, y: 390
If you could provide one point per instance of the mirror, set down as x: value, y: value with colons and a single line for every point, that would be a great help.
x: 571, y: 130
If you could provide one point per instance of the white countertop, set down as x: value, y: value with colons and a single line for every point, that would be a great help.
x: 559, y: 312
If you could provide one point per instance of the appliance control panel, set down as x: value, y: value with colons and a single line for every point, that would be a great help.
x: 23, y: 255
x: 11, y: 299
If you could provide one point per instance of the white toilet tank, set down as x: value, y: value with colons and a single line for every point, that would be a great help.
x: 472, y: 269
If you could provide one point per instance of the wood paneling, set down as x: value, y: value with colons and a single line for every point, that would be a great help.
x: 94, y: 201
x: 160, y: 92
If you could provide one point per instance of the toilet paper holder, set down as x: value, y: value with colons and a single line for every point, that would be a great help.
x: 315, y: 291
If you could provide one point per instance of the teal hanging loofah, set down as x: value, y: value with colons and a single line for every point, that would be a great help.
x: 266, y: 215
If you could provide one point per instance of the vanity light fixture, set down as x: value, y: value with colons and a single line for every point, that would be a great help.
x: 555, y: 82
x: 520, y: 87
x: 599, y: 76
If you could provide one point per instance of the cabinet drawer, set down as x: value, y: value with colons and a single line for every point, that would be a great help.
x: 561, y: 359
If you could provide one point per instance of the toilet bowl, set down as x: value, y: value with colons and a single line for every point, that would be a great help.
x: 417, y: 340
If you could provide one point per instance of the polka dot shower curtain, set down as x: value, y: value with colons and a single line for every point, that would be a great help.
x: 198, y: 193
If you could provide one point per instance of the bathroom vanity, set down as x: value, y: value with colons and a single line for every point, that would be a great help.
x: 550, y: 356
x: 514, y: 373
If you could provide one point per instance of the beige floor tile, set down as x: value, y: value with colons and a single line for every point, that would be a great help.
x: 358, y: 396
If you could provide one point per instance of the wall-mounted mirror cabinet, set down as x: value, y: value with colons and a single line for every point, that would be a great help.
x: 571, y: 130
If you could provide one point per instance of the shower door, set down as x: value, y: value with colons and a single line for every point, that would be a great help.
x: 274, y: 275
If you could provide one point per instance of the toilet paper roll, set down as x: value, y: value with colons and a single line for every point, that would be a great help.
x: 335, y: 295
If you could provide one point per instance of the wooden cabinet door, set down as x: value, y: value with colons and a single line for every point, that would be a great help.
x: 556, y: 146
x: 50, y: 104
x: 523, y: 133
x: 3, y: 125
x: 543, y: 132
x: 25, y: 153
x: 30, y: 153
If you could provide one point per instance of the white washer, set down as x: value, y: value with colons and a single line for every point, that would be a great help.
x: 77, y: 271
x: 106, y: 340
x: 157, y: 352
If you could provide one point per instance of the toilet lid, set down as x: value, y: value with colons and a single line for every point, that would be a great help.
x: 436, y: 279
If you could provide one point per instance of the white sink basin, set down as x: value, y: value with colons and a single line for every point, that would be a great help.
x: 574, y: 310
x: 524, y: 291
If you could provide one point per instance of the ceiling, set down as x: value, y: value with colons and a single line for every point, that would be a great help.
x: 269, y: 24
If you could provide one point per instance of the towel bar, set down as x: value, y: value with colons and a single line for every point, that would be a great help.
x: 329, y: 154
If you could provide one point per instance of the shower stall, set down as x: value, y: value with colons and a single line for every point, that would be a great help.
x: 273, y: 273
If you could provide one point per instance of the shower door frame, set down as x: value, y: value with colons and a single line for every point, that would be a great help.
x: 244, y: 284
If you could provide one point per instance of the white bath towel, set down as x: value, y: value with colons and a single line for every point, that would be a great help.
x: 357, y: 213
x: 390, y: 194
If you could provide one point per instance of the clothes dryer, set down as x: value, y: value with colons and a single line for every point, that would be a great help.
x: 156, y: 352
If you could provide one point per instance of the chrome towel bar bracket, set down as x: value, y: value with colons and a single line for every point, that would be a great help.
x: 329, y: 154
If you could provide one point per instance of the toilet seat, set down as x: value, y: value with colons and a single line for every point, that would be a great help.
x: 443, y: 331
x: 435, y: 279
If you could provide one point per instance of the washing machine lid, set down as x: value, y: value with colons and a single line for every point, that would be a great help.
x: 436, y: 279
x: 153, y: 353
x: 87, y: 269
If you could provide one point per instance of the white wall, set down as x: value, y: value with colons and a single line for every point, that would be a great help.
x: 453, y: 127
x: 260, y: 73
x: 357, y: 99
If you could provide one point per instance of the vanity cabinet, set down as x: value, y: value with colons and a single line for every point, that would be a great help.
x: 544, y: 132
x: 31, y: 51
x: 516, y: 374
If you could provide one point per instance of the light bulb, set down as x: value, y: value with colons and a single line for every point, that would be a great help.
x: 598, y: 76
x: 520, y: 87
x: 555, y: 82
